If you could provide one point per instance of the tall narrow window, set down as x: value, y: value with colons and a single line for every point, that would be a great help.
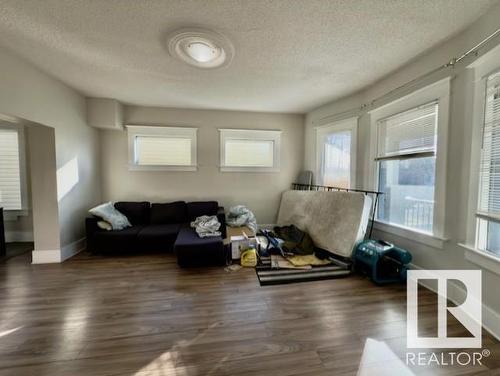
x: 10, y: 170
x: 489, y: 190
x: 407, y: 167
x: 336, y: 159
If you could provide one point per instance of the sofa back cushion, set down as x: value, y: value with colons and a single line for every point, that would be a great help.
x: 199, y: 208
x: 173, y: 212
x: 138, y: 213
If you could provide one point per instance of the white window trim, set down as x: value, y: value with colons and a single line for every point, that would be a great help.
x: 12, y: 215
x: 250, y: 134
x: 350, y: 124
x: 439, y: 91
x: 142, y: 130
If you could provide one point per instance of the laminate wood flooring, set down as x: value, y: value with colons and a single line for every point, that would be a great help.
x: 144, y: 316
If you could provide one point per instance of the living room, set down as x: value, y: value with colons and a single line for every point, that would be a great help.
x: 353, y: 121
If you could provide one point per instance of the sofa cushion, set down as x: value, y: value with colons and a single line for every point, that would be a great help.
x: 117, y: 240
x: 158, y: 237
x: 199, y: 208
x: 173, y: 212
x: 192, y: 250
x: 138, y: 213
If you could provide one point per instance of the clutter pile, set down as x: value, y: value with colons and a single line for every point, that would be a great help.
x: 206, y: 226
x: 286, y: 247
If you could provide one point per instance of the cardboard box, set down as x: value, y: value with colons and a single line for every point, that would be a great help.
x: 239, y: 239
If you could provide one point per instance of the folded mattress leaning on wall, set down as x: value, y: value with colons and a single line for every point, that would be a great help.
x: 336, y: 221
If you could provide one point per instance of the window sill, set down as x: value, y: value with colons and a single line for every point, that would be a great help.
x: 162, y: 168
x: 249, y: 169
x: 13, y: 215
x: 430, y: 240
x: 481, y: 258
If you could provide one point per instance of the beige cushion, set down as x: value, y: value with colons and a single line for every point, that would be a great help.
x: 336, y: 221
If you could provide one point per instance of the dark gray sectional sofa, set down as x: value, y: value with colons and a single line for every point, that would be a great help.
x: 162, y: 227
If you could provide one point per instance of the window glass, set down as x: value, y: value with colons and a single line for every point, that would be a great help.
x: 10, y: 171
x: 408, y: 186
x: 163, y: 151
x: 336, y: 161
x: 249, y: 153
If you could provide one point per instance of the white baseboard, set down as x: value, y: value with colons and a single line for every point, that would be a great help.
x: 46, y: 256
x: 58, y: 255
x: 491, y: 318
x: 73, y: 248
x: 18, y: 236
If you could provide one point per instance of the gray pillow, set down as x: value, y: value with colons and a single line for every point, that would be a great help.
x: 108, y: 212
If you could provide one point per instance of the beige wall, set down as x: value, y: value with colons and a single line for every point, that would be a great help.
x: 451, y: 256
x: 259, y: 191
x: 31, y: 95
x: 41, y: 141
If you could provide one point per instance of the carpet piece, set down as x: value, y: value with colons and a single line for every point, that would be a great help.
x: 270, y: 276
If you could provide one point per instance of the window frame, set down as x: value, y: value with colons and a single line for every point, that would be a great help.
x: 480, y: 221
x: 134, y: 131
x: 12, y: 214
x: 440, y: 92
x: 349, y: 124
x: 477, y: 75
x: 250, y: 135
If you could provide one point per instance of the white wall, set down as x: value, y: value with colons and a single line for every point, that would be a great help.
x: 29, y: 94
x: 451, y: 256
x: 261, y: 192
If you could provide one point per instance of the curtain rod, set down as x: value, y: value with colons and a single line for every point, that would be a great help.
x: 365, y: 106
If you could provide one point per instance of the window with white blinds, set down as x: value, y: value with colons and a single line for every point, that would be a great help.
x: 489, y: 192
x: 408, y: 132
x: 10, y: 170
x: 164, y: 148
x: 249, y: 150
x: 407, y: 167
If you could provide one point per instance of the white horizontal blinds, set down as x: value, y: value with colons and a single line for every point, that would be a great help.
x: 489, y: 195
x: 163, y: 151
x: 249, y: 153
x: 10, y: 177
x: 412, y: 131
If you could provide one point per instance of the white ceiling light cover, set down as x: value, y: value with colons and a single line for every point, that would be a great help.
x: 201, y: 48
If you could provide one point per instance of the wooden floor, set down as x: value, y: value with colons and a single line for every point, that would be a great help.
x: 143, y: 315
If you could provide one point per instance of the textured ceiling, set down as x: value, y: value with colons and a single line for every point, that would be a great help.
x: 290, y: 56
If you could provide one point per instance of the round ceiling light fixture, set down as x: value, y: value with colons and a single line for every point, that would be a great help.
x: 201, y: 48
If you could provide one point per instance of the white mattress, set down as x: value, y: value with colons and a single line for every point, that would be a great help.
x: 336, y: 221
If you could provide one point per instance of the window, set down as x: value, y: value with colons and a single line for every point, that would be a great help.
x: 10, y: 169
x: 489, y: 180
x: 406, y: 156
x: 336, y: 154
x: 249, y: 150
x: 162, y: 148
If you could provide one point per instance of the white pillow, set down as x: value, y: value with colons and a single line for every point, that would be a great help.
x: 108, y: 212
x: 104, y: 225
